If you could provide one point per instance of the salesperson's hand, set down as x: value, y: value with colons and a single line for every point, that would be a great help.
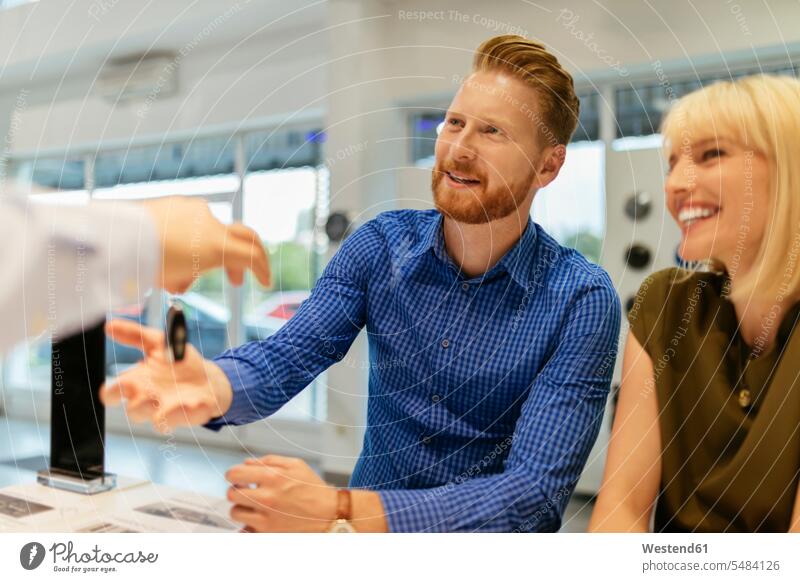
x: 169, y: 394
x: 193, y: 241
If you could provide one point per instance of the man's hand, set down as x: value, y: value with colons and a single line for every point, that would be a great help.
x: 193, y: 242
x: 280, y: 494
x: 170, y: 394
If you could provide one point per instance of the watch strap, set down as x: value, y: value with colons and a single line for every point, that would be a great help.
x: 344, y: 504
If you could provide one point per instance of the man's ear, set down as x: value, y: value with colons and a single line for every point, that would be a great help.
x: 552, y: 160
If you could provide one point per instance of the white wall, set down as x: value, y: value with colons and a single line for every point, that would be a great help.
x: 238, y: 64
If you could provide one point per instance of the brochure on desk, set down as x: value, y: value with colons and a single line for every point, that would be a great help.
x: 133, y: 509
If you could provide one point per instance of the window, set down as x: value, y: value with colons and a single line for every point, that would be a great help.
x: 281, y: 206
x: 589, y: 118
x: 640, y: 107
x: 66, y: 173
x: 572, y: 208
x: 283, y: 148
x: 424, y: 128
x: 277, y: 188
x: 8, y: 4
x: 198, y: 158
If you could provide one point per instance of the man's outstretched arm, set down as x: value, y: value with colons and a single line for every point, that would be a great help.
x: 252, y: 381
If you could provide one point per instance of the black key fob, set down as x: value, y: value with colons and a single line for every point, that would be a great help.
x: 176, y: 334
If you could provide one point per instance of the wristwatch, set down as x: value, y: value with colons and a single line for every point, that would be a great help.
x: 343, y: 513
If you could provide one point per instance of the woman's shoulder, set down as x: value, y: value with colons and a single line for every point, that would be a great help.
x: 677, y: 283
x: 664, y: 296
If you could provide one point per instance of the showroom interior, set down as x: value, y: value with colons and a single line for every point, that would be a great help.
x: 305, y: 120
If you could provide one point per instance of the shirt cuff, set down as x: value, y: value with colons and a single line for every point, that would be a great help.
x: 416, y: 510
x: 243, y: 410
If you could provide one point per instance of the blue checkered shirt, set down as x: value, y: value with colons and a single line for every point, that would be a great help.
x: 486, y: 394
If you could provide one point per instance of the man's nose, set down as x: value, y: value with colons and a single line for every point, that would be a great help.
x: 464, y: 147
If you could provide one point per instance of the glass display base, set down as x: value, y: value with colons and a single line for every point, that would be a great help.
x: 76, y: 483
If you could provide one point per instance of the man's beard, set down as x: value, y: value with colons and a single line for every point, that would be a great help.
x: 475, y: 204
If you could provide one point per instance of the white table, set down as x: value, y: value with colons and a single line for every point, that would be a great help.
x: 134, y: 505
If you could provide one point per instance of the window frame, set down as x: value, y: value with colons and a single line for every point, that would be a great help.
x: 289, y: 436
x: 605, y: 87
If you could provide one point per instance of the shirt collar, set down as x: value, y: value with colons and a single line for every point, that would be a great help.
x: 429, y: 235
x: 517, y: 262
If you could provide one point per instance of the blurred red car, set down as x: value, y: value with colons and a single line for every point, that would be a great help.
x: 272, y: 313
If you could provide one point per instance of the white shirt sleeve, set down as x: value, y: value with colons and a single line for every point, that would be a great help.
x: 65, y: 267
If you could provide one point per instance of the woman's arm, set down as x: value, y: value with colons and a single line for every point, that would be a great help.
x: 633, y: 468
x: 794, y: 527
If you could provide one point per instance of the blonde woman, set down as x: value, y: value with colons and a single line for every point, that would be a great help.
x: 706, y: 436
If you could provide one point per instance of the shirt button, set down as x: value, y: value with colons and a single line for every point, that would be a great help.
x: 436, y: 398
x: 465, y: 286
x: 426, y: 440
x: 445, y: 343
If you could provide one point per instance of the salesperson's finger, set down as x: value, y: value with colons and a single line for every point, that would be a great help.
x: 132, y: 334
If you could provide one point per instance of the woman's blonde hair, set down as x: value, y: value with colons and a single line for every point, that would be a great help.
x: 760, y: 112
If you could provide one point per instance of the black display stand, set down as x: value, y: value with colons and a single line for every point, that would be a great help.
x: 77, y: 417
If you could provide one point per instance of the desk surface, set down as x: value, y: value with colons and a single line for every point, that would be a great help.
x: 134, y: 506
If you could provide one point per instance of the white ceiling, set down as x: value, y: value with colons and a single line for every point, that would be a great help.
x: 40, y: 42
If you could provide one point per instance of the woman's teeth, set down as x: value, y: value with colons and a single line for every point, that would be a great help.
x: 688, y: 216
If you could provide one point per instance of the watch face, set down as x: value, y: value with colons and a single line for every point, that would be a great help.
x: 341, y: 526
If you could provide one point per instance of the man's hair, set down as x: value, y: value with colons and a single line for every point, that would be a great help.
x: 531, y: 63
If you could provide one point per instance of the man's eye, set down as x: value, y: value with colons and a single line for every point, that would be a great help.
x: 492, y: 130
x: 453, y: 121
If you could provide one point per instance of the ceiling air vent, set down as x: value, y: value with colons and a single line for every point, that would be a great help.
x: 139, y: 77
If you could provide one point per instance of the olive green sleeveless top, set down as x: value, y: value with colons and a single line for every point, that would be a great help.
x: 729, y: 423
